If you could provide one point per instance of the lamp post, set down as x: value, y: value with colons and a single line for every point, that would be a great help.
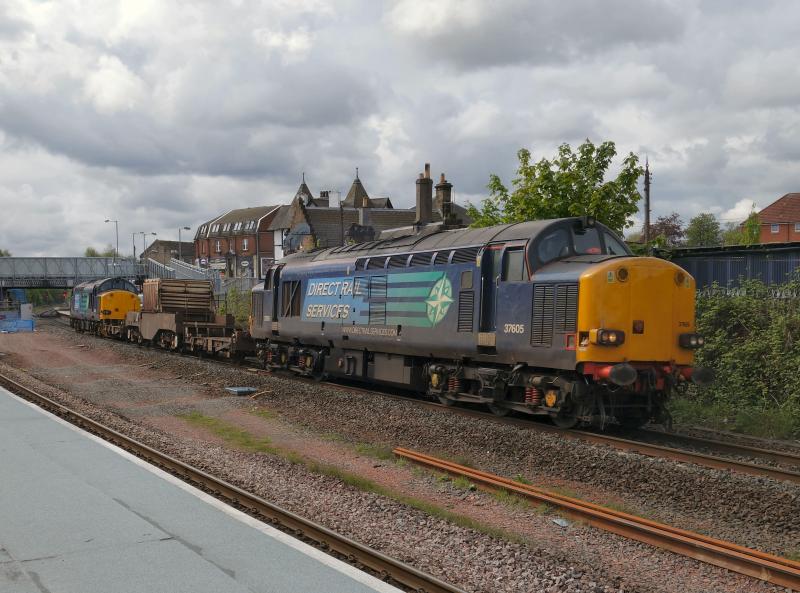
x: 144, y: 244
x: 133, y: 242
x: 116, y: 233
x: 185, y: 228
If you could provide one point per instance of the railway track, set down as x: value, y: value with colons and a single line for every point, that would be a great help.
x: 356, y: 553
x: 787, y: 468
x: 760, y: 565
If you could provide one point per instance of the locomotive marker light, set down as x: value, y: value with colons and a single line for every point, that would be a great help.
x: 691, y: 341
x: 607, y: 337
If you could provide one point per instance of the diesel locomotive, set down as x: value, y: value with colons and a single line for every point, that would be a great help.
x: 100, y: 306
x: 551, y: 317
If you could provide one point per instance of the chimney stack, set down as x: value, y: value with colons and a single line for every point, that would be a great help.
x: 444, y: 204
x: 425, y: 197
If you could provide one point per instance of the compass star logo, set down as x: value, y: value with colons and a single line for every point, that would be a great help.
x: 439, y: 300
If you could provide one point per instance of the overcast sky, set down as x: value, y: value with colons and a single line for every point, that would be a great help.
x: 163, y: 113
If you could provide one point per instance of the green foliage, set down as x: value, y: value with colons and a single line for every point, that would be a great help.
x: 747, y: 233
x: 703, y: 231
x: 236, y: 303
x: 92, y: 252
x: 571, y: 184
x: 44, y: 296
x: 753, y: 346
x: 5, y: 253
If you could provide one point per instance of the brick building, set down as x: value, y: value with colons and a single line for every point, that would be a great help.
x: 163, y: 251
x: 310, y: 222
x: 780, y: 221
x: 238, y: 243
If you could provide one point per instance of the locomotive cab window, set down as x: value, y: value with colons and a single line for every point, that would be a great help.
x: 290, y: 298
x: 587, y: 241
x: 514, y: 265
x: 554, y: 245
x: 613, y: 245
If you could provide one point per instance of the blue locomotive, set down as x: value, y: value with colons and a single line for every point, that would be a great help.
x: 550, y: 317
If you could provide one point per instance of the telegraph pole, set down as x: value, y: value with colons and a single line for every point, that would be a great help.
x: 647, y: 176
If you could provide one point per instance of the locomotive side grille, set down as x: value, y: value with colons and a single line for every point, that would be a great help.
x: 421, y: 259
x: 398, y: 261
x: 441, y: 258
x: 465, y: 256
x: 258, y: 303
x: 466, y: 307
x: 377, y: 300
x: 566, y: 308
x: 376, y: 263
x: 542, y: 315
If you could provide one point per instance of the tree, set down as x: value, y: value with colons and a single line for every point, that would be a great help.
x: 5, y: 253
x: 667, y: 231
x: 92, y: 252
x: 745, y: 233
x: 703, y: 231
x: 571, y: 184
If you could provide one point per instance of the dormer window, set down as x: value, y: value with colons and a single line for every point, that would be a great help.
x: 215, y: 228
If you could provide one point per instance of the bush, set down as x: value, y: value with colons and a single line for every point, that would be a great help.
x: 236, y: 303
x: 753, y: 346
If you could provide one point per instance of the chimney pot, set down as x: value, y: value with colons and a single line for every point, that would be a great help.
x: 425, y: 197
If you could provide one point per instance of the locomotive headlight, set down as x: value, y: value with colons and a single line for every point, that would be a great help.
x: 606, y: 337
x: 691, y: 341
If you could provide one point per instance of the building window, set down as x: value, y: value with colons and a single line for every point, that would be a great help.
x: 775, y: 229
x: 219, y: 246
x: 797, y: 227
x: 244, y: 244
x: 214, y: 228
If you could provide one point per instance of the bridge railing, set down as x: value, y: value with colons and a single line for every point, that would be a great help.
x: 188, y: 271
x: 35, y: 272
x: 156, y: 269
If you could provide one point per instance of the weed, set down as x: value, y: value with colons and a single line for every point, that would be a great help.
x: 265, y: 413
x: 512, y: 500
x: 377, y: 451
x: 231, y: 434
x: 463, y: 483
x: 522, y: 480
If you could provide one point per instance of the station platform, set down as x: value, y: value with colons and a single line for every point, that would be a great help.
x: 79, y: 515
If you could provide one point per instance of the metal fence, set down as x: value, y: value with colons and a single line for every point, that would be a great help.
x: 190, y: 272
x: 728, y: 270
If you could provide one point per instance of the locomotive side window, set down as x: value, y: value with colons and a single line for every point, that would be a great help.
x: 466, y: 280
x: 513, y: 265
x: 613, y: 245
x: 290, y: 298
x: 587, y: 242
x: 554, y: 245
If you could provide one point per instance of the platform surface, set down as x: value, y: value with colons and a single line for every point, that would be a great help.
x: 78, y: 515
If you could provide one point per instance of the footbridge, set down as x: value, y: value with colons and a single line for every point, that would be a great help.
x: 64, y: 272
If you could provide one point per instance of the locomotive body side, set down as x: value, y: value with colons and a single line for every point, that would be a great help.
x: 535, y: 317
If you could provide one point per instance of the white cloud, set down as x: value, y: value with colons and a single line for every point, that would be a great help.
x: 293, y: 46
x: 112, y: 87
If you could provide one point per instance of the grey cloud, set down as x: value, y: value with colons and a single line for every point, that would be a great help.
x: 521, y: 31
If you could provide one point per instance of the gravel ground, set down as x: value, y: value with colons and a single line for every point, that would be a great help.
x: 462, y: 556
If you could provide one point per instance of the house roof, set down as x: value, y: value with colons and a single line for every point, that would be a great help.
x: 380, y: 203
x: 784, y: 209
x: 326, y: 223
x: 244, y: 215
x: 357, y: 196
x: 171, y: 245
x: 303, y: 191
x: 283, y: 218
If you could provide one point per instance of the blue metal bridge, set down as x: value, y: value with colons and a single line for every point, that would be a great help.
x: 64, y: 272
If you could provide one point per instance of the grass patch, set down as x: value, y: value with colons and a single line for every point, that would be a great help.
x: 513, y: 500
x: 793, y: 555
x: 772, y: 423
x: 265, y: 413
x: 232, y: 435
x: 463, y: 483
x: 244, y: 440
x: 564, y: 491
x: 332, y: 436
x: 376, y: 451
x: 522, y: 480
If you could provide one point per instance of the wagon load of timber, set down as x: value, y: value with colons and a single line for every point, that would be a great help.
x: 162, y: 295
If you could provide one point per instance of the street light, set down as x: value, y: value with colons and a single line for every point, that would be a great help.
x: 116, y: 232
x: 144, y: 244
x: 185, y: 228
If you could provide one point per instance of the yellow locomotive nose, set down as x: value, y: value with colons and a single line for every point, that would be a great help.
x: 635, y: 310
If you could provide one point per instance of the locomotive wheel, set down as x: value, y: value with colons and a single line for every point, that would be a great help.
x: 446, y: 401
x: 499, y: 410
x: 565, y: 419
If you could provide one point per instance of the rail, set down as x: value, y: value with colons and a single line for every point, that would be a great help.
x: 754, y: 563
x: 339, y: 544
